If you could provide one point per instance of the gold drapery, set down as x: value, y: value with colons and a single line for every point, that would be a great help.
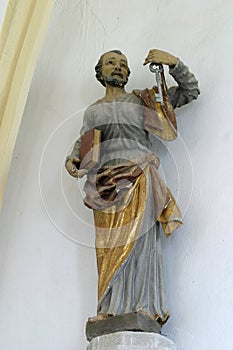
x: 115, y: 227
x: 21, y: 38
x: 118, y: 195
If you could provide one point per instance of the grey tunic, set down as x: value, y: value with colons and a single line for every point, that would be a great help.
x: 138, y: 283
x: 122, y: 119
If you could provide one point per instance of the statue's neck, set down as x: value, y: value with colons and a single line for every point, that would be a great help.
x: 113, y: 92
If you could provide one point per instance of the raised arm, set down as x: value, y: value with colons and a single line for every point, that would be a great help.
x: 187, y: 89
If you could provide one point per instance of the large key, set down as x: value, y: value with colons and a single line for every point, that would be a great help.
x: 158, y: 69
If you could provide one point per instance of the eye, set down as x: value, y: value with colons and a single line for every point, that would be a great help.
x: 110, y: 62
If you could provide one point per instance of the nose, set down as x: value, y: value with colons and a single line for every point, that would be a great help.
x: 117, y: 67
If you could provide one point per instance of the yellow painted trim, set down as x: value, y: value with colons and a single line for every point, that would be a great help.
x: 21, y: 38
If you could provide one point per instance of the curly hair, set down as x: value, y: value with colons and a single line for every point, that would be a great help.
x: 98, y: 67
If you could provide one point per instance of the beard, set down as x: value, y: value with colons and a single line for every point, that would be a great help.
x: 116, y: 82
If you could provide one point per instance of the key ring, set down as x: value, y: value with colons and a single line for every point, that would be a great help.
x: 156, y: 67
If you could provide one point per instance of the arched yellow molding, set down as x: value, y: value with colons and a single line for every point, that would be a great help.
x: 21, y: 38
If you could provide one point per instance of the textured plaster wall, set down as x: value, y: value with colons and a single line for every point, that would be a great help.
x: 47, y: 262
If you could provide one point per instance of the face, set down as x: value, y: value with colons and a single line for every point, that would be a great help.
x: 115, y: 69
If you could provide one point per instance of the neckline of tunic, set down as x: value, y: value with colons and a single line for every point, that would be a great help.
x: 103, y: 100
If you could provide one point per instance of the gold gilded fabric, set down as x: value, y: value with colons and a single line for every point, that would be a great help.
x: 118, y: 194
x: 170, y: 217
x: 158, y: 120
x: 112, y: 229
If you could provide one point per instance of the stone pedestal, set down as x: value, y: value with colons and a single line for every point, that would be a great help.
x: 131, y: 341
x: 135, y: 321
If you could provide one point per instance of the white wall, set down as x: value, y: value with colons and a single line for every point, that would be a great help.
x: 3, y: 4
x: 47, y: 262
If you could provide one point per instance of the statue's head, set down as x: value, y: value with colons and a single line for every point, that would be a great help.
x: 112, y: 68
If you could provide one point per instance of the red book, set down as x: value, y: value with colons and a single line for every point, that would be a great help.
x: 90, y: 149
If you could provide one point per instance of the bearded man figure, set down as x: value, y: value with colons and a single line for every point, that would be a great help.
x: 129, y: 199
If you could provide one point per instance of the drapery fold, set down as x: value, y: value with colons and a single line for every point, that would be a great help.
x: 118, y: 195
x: 21, y: 38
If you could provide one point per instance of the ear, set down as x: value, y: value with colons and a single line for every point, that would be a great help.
x: 102, y: 81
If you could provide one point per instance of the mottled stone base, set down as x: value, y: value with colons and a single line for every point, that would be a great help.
x: 131, y: 341
x: 135, y: 321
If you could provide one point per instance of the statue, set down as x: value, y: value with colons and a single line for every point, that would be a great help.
x: 128, y: 197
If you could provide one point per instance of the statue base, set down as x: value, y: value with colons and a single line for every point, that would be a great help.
x: 131, y: 341
x: 135, y: 321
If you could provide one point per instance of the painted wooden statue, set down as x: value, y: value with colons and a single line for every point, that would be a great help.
x: 128, y: 197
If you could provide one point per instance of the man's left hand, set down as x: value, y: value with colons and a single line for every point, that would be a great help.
x: 160, y: 57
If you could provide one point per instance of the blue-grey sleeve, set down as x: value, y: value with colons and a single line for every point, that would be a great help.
x: 87, y: 125
x: 187, y: 89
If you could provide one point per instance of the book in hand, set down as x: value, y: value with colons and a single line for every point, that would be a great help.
x: 90, y: 149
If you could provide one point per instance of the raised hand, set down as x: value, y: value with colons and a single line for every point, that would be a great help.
x: 160, y: 57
